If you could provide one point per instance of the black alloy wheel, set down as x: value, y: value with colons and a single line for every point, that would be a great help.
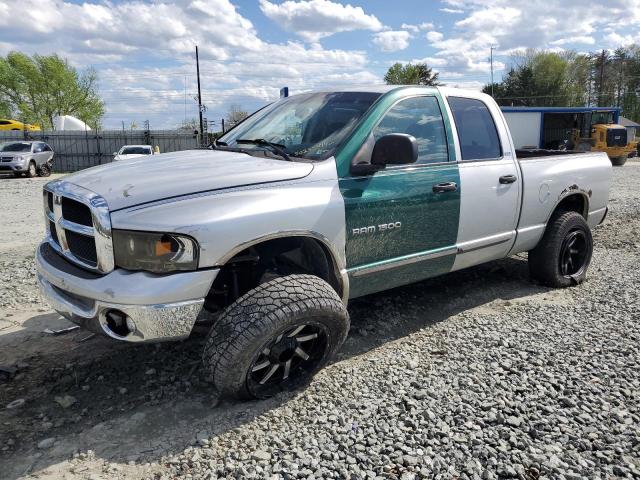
x: 288, y: 359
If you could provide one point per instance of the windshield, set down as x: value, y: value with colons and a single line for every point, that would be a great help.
x: 16, y: 147
x: 135, y: 151
x: 601, y: 118
x: 308, y: 126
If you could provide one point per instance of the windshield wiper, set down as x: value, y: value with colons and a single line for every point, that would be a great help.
x: 261, y: 142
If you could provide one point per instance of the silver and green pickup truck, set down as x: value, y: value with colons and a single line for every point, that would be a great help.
x: 311, y: 201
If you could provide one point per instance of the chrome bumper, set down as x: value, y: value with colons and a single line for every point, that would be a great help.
x: 157, y: 307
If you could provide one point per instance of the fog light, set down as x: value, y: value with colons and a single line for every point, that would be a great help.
x: 117, y: 322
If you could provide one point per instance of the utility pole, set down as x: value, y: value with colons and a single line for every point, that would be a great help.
x: 199, y: 97
x: 491, y: 61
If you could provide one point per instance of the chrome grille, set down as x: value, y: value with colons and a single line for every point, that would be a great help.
x: 79, y: 225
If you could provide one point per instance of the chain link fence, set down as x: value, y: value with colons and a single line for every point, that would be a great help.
x: 75, y: 150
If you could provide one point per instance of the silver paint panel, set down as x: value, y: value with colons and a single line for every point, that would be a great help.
x: 224, y: 221
x: 488, y: 211
x: 131, y: 288
x: 548, y: 180
x: 484, y: 232
x: 153, y: 177
x: 153, y: 323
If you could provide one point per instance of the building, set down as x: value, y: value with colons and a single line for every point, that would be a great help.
x: 633, y: 128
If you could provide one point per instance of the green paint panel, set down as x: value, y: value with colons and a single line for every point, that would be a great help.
x: 403, y: 197
x: 404, y: 275
x: 428, y: 220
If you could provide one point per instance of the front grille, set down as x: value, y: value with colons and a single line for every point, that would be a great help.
x: 617, y: 137
x: 6, y: 159
x: 54, y: 232
x: 76, y: 212
x: 59, y: 262
x: 79, y: 225
x: 82, y: 247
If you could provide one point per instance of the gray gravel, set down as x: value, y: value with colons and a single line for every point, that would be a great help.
x: 478, y: 374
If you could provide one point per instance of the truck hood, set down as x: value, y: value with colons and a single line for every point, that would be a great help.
x: 156, y: 177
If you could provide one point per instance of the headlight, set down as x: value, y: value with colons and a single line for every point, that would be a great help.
x: 18, y: 158
x: 154, y: 252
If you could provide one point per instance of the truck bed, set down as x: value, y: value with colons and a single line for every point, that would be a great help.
x: 541, y: 152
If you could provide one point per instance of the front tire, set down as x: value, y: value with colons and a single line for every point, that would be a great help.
x: 563, y: 255
x: 618, y: 161
x: 32, y: 171
x: 275, y: 337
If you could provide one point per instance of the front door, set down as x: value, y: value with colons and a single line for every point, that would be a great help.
x: 402, y: 222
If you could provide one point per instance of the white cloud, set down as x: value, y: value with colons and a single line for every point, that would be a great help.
x: 512, y: 25
x: 583, y: 39
x: 434, y: 36
x: 144, y: 55
x: 392, y: 40
x: 417, y: 28
x: 614, y: 39
x: 315, y: 19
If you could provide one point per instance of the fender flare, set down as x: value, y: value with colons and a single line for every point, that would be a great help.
x: 568, y: 194
x: 337, y: 261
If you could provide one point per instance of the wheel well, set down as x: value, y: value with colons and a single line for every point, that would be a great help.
x: 266, y: 260
x: 573, y: 203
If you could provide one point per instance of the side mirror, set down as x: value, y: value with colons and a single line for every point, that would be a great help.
x: 115, y: 153
x: 395, y: 149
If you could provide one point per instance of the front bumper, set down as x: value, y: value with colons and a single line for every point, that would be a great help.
x: 157, y: 307
x: 13, y: 166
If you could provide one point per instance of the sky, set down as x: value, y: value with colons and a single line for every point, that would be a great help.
x: 144, y: 51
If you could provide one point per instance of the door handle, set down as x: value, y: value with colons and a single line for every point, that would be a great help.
x: 445, y: 187
x: 505, y: 179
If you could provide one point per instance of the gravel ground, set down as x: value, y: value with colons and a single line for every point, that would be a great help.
x: 477, y: 374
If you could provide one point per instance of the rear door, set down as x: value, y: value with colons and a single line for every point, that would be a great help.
x: 41, y: 155
x: 489, y: 172
x: 401, y: 223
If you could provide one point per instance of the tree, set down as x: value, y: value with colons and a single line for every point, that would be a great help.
x: 189, y: 125
x: 601, y: 78
x: 540, y: 78
x: 235, y: 114
x: 36, y: 89
x: 409, y: 74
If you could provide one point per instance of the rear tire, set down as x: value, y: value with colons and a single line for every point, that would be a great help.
x: 31, y: 170
x: 563, y: 255
x: 44, y: 170
x: 275, y: 337
x: 618, y: 161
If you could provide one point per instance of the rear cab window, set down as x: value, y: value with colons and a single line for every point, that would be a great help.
x: 477, y: 130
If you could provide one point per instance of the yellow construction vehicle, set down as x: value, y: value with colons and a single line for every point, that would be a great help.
x: 584, y: 129
x: 610, y: 138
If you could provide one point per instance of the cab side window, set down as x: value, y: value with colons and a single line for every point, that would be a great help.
x: 420, y: 117
x: 476, y: 129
